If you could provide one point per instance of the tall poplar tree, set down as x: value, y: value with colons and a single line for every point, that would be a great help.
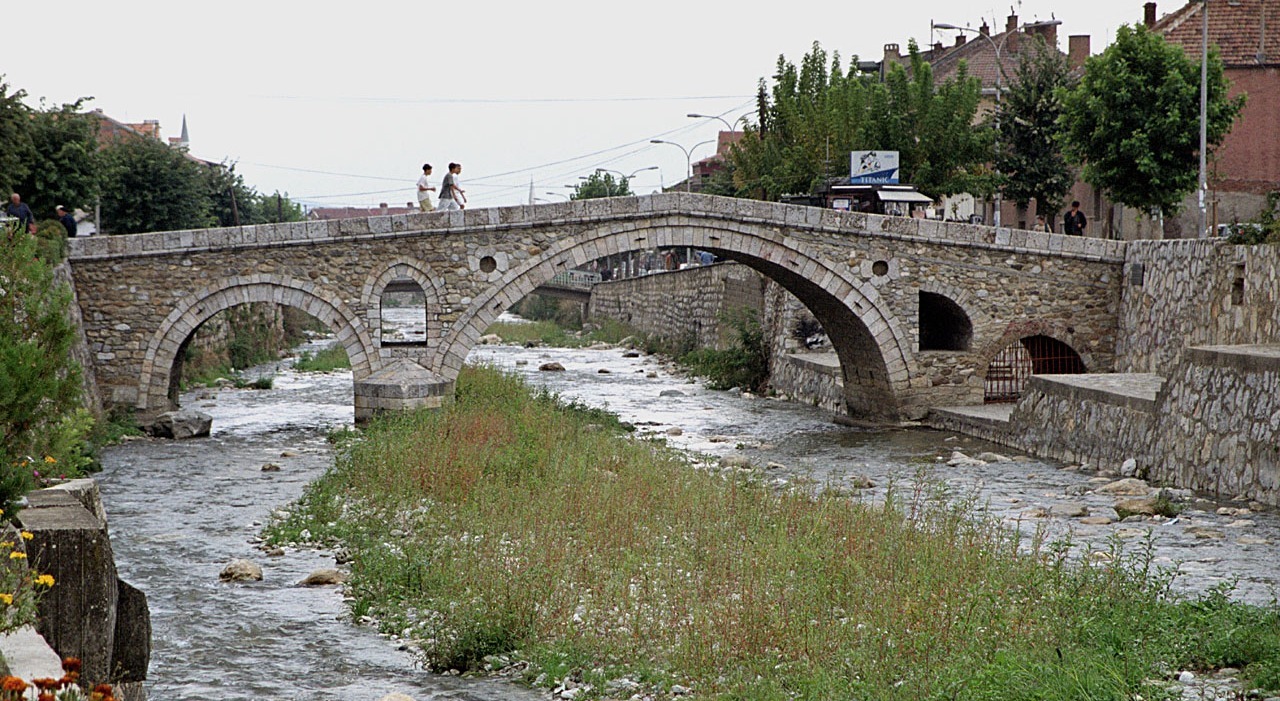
x: 1030, y: 156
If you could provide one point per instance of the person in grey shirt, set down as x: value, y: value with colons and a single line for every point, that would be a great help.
x: 452, y: 196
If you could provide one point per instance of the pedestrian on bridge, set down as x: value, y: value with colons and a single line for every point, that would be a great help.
x: 452, y: 196
x: 425, y: 188
x: 67, y: 219
x: 1074, y: 223
x: 19, y: 209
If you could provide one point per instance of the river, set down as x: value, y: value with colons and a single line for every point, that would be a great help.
x: 180, y: 510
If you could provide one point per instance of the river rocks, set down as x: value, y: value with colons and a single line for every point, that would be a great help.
x: 675, y: 431
x: 718, y: 439
x: 604, y: 371
x: 396, y: 697
x: 551, y: 367
x: 323, y: 578
x: 631, y: 354
x: 1205, y: 533
x: 993, y: 457
x: 490, y: 339
x: 860, y: 482
x: 1069, y: 510
x: 270, y: 467
x: 959, y: 459
x: 1252, y: 540
x: 1145, y: 506
x: 1035, y: 512
x: 671, y: 393
x: 241, y: 571
x: 1096, y: 520
x: 775, y: 466
x: 651, y: 375
x: 180, y: 424
x: 1129, y: 487
x: 288, y: 454
x: 735, y: 461
x: 1129, y: 467
x: 521, y: 363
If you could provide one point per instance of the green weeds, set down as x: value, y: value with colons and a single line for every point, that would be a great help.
x: 333, y: 357
x: 506, y: 524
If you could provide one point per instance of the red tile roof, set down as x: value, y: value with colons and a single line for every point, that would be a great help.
x: 1246, y: 32
x: 980, y: 58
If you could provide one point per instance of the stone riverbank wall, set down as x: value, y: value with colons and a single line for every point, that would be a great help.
x: 684, y: 308
x: 80, y: 351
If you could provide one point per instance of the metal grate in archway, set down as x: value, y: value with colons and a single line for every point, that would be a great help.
x: 1008, y: 371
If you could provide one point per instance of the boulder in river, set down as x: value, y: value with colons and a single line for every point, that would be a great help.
x: 322, y: 578
x: 241, y: 571
x: 551, y: 367
x: 631, y: 354
x: 271, y: 467
x: 1128, y: 487
x: 183, y: 423
x: 490, y: 339
x: 670, y: 393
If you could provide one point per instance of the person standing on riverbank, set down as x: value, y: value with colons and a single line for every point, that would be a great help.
x: 425, y: 188
x: 452, y: 196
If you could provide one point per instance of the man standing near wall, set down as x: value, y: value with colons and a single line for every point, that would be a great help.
x: 1074, y: 223
x: 68, y: 221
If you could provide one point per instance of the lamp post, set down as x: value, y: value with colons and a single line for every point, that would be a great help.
x: 688, y: 157
x: 1204, y: 111
x: 997, y: 47
x: 559, y: 194
x: 696, y: 115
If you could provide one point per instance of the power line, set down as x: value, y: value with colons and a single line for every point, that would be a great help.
x: 494, y: 101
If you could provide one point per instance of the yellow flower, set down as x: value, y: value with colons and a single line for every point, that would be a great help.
x: 27, y: 535
x: 15, y: 555
x: 6, y: 599
x: 45, y: 580
x: 50, y: 459
x: 6, y: 544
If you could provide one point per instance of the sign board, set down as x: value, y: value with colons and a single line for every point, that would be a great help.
x: 873, y: 168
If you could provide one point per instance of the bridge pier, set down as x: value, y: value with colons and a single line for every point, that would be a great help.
x: 401, y: 385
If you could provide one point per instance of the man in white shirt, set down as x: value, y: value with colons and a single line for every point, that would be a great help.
x: 425, y: 188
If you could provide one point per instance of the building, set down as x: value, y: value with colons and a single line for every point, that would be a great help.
x: 1246, y: 166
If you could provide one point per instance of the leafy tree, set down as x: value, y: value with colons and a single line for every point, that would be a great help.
x: 63, y: 167
x: 15, y: 138
x: 39, y: 385
x: 1030, y: 157
x: 232, y: 203
x: 600, y: 184
x: 1133, y: 120
x: 148, y: 186
x: 816, y: 114
x: 277, y: 207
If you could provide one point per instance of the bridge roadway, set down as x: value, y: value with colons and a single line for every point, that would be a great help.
x: 916, y: 310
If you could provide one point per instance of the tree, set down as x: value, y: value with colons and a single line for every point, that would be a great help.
x: 1030, y: 157
x: 1133, y: 120
x: 601, y: 184
x: 64, y: 165
x: 15, y: 138
x: 815, y: 115
x: 39, y: 384
x: 148, y: 186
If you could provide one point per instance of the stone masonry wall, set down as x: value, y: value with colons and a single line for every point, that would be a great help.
x: 1219, y: 425
x: 1189, y: 293
x: 80, y: 352
x: 682, y: 306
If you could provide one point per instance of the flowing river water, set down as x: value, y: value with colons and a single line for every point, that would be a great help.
x: 180, y: 510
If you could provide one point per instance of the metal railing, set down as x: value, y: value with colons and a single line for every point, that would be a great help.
x: 574, y: 280
x: 1009, y: 370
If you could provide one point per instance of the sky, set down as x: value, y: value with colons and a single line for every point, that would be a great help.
x: 342, y: 103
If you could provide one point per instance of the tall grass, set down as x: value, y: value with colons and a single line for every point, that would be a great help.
x: 509, y: 524
x: 550, y: 333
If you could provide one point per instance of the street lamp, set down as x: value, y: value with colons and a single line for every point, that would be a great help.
x: 559, y: 194
x: 695, y: 115
x: 688, y: 157
x: 997, y: 48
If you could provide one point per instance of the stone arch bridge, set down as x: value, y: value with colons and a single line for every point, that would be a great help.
x: 884, y: 288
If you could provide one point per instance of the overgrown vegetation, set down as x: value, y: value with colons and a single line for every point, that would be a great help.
x: 550, y: 333
x: 744, y: 364
x: 1263, y: 229
x: 43, y: 428
x: 332, y: 357
x: 536, y: 307
x: 510, y: 528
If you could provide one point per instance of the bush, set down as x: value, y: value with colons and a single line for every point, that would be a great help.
x: 745, y: 365
x: 333, y: 357
x: 40, y: 418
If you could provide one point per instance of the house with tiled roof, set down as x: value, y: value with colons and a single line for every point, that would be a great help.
x: 1246, y: 166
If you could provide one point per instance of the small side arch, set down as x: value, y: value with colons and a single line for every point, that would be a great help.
x: 1020, y: 354
x: 155, y: 384
x: 403, y: 268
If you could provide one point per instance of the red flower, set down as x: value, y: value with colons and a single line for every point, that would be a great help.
x: 71, y: 664
x: 13, y: 684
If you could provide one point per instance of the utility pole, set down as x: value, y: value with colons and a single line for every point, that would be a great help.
x: 1204, y: 114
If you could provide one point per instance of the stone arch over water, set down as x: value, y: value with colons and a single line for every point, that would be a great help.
x: 403, y: 268
x: 868, y: 339
x: 157, y: 383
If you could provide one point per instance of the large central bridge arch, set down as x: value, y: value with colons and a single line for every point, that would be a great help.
x: 872, y: 348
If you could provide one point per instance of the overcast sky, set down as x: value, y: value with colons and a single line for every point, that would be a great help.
x: 341, y: 103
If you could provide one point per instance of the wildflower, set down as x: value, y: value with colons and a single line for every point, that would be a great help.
x: 6, y: 544
x: 45, y: 580
x: 13, y: 684
x: 27, y: 535
x: 71, y: 665
x: 15, y: 555
x: 102, y: 692
x: 46, y: 696
x: 6, y: 599
x: 50, y: 459
x: 45, y: 684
